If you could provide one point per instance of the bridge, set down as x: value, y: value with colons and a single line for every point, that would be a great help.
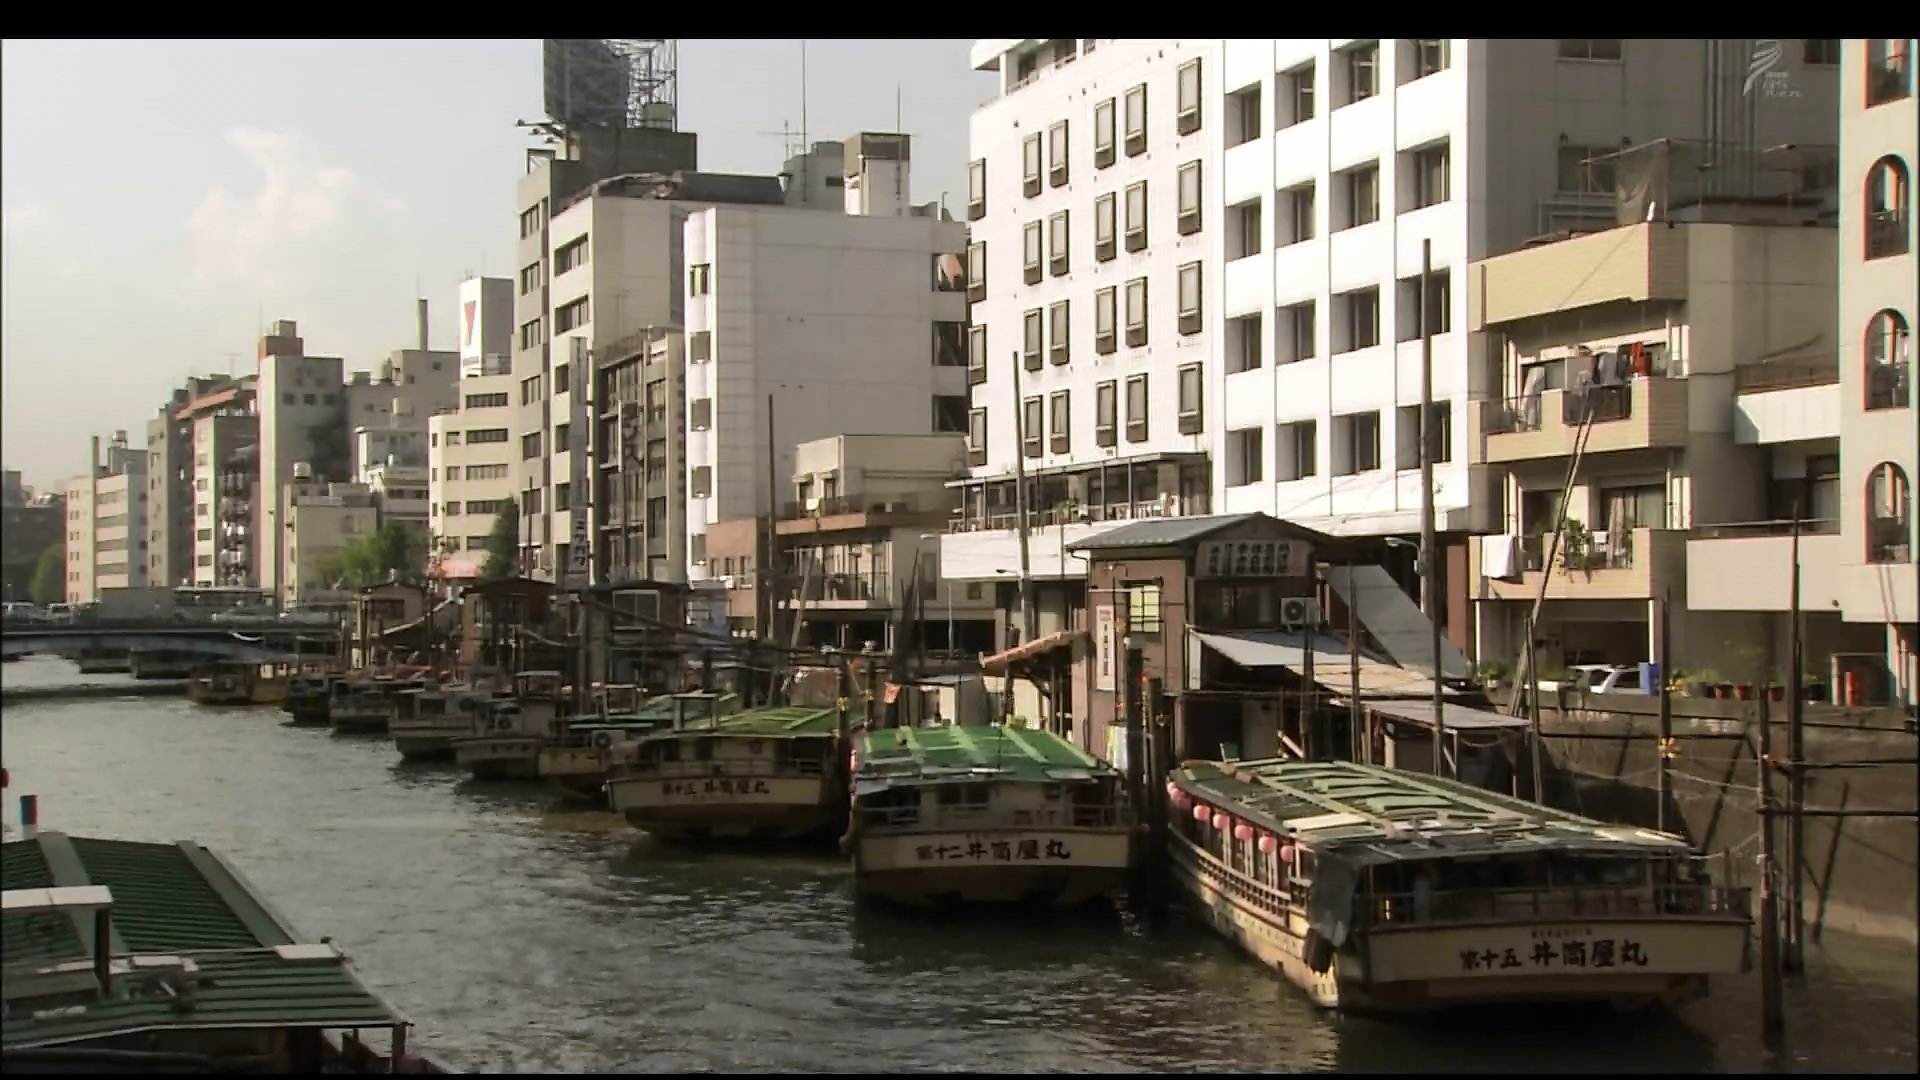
x: 261, y: 643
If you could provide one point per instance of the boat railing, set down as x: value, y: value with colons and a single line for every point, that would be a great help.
x: 1397, y: 910
x: 992, y: 817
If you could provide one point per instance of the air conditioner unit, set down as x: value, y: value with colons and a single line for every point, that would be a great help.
x: 1299, y: 611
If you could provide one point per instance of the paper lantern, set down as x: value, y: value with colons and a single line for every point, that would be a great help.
x: 1286, y: 853
x: 1220, y: 821
x: 1173, y: 789
x: 1199, y: 813
x: 1181, y: 801
x: 1243, y: 832
x: 1267, y: 844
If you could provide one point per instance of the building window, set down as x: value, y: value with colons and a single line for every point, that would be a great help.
x: 571, y: 255
x: 1246, y: 457
x: 452, y: 508
x: 1105, y: 341
x: 570, y: 316
x: 1060, y: 434
x: 1359, y: 192
x: 1136, y: 312
x: 949, y: 344
x: 477, y: 436
x: 1137, y: 408
x: 702, y: 485
x: 1889, y: 515
x: 1243, y: 115
x: 1030, y: 252
x: 977, y: 189
x: 1243, y: 229
x: 1889, y: 70
x: 1889, y: 201
x: 1030, y: 165
x: 1137, y: 216
x: 950, y: 413
x: 529, y: 338
x: 1296, y: 341
x: 1243, y: 343
x: 487, y: 401
x: 1889, y: 361
x: 529, y: 278
x: 976, y: 355
x: 1103, y: 134
x: 1585, y: 170
x: 977, y: 437
x: 1190, y: 298
x: 1057, y: 159
x: 700, y: 347
x: 1103, y: 227
x: 1031, y: 432
x: 699, y: 414
x: 1295, y: 219
x: 1589, y: 48
x: 1356, y: 443
x: 1296, y: 451
x: 1296, y: 91
x: 1189, y: 220
x: 699, y: 279
x: 1358, y: 314
x: 1191, y: 420
x: 1429, y: 176
x: 1143, y: 607
x: 1136, y: 129
x: 1425, y: 56
x: 977, y: 271
x: 530, y: 446
x: 1031, y: 327
x: 1058, y: 330
x: 1187, y: 110
x: 1439, y: 305
x: 1057, y: 258
x: 1361, y: 66
x: 1105, y: 434
x: 1407, y: 434
x: 949, y: 273
x: 1825, y: 51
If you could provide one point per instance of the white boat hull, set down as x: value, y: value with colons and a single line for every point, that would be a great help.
x: 693, y: 809
x: 499, y: 757
x: 1063, y: 867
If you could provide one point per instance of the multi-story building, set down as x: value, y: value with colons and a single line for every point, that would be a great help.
x: 1880, y: 416
x: 226, y: 478
x: 303, y: 412
x: 1342, y: 159
x: 640, y: 499
x: 470, y: 464
x: 486, y: 327
x: 1094, y: 202
x: 29, y: 525
x: 107, y: 522
x: 1665, y: 404
x: 322, y: 518
x: 802, y: 325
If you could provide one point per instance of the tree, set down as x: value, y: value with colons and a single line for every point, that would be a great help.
x: 393, y: 552
x: 49, y: 576
x: 503, y: 546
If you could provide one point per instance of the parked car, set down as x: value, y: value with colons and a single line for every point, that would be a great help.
x: 1606, y: 679
x: 59, y: 613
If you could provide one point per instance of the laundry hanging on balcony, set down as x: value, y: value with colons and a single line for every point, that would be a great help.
x: 1500, y: 557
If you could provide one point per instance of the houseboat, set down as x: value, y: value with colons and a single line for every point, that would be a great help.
x: 103, y: 662
x: 238, y: 682
x: 307, y: 696
x: 763, y: 774
x: 962, y: 814
x: 356, y: 707
x: 578, y: 762
x: 161, y: 665
x: 427, y: 719
x: 505, y: 739
x: 1379, y: 890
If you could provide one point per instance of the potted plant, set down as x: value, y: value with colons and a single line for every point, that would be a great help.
x: 1576, y: 542
x: 1490, y: 674
x: 1702, y: 683
x: 1813, y: 685
x: 1747, y: 669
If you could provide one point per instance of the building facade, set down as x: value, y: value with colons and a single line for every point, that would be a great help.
x: 303, y: 411
x: 486, y: 327
x: 322, y: 518
x: 470, y: 465
x: 639, y: 457
x: 107, y: 521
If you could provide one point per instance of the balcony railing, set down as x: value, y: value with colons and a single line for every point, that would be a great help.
x: 1602, y: 403
x: 1889, y: 540
x: 1886, y: 234
x: 1786, y: 374
x: 1084, y: 513
x: 1603, y: 552
x: 1746, y: 530
x: 1387, y: 911
x: 867, y: 585
x: 1888, y: 386
x: 830, y: 506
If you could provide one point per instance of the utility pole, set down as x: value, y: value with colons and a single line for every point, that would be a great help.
x: 1029, y: 623
x: 767, y: 603
x: 1797, y: 774
x: 1666, y: 714
x: 1429, y: 545
x: 1532, y: 690
x: 1359, y: 742
x: 1772, y: 1022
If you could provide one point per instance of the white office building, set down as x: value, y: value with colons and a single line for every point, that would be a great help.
x: 470, y: 466
x: 1091, y: 268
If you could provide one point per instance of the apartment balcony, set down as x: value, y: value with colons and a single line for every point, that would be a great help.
x: 1639, y: 564
x: 986, y: 546
x: 1645, y: 413
x: 840, y: 513
x: 864, y: 591
x: 1748, y: 566
x: 1787, y: 401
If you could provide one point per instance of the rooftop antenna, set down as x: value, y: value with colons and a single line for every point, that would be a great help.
x: 806, y: 147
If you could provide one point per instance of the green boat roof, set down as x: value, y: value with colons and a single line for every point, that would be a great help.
x: 177, y: 900
x: 1371, y: 814
x: 662, y: 708
x: 908, y: 755
x: 779, y: 721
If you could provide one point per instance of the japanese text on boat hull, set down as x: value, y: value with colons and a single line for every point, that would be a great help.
x: 703, y: 790
x: 1008, y: 848
x: 1587, y: 949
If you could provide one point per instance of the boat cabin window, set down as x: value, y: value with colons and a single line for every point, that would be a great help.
x: 702, y: 749
x: 1050, y: 792
x: 963, y: 795
x: 755, y: 747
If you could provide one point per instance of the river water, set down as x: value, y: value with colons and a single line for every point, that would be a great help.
x: 520, y: 939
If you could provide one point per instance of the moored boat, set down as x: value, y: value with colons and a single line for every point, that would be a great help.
x: 763, y: 774
x: 224, y: 682
x: 505, y: 738
x: 355, y: 707
x: 427, y: 719
x: 985, y: 815
x: 1380, y: 890
x: 103, y: 662
x: 160, y: 665
x: 577, y: 763
x: 307, y: 696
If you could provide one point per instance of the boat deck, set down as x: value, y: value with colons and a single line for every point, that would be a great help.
x: 905, y: 754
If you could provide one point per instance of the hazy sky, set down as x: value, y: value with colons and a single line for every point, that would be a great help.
x: 164, y: 199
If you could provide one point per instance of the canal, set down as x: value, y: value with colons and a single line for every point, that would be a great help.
x: 525, y: 940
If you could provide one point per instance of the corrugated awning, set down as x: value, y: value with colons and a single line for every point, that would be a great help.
x: 1394, y: 620
x: 1332, y: 666
x: 998, y: 663
x: 1457, y: 717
